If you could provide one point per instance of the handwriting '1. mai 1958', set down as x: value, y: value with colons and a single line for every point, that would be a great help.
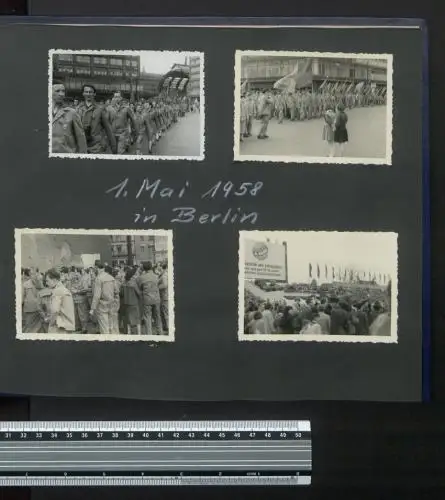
x: 189, y: 214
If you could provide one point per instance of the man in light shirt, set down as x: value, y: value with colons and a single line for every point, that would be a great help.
x: 61, y: 306
x: 104, y: 296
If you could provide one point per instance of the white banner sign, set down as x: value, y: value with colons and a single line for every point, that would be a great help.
x: 263, y: 260
x: 89, y: 259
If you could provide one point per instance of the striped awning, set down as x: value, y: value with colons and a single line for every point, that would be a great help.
x: 167, y: 82
x: 175, y: 82
x: 182, y: 83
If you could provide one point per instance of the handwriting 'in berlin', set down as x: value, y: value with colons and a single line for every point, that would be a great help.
x: 186, y: 215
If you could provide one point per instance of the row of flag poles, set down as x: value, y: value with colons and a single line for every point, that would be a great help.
x: 346, y: 275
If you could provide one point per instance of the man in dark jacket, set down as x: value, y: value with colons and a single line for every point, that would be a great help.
x: 151, y: 300
x: 339, y: 319
x: 95, y: 122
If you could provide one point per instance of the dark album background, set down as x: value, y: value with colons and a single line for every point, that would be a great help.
x: 207, y: 361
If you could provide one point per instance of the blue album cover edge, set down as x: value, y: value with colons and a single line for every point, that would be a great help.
x: 220, y: 20
x: 426, y: 274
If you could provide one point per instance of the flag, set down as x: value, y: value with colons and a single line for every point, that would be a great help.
x: 359, y: 86
x: 349, y: 87
x: 318, y: 271
x: 310, y: 270
x: 300, y: 77
x: 322, y: 85
x: 243, y: 89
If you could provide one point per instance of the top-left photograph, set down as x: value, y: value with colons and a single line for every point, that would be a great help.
x: 126, y: 105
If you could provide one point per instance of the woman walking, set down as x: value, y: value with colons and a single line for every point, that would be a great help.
x: 328, y: 130
x: 340, y: 130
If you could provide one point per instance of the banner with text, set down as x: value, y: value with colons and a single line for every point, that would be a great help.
x: 264, y: 260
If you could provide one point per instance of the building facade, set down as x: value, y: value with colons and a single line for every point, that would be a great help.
x: 264, y: 71
x: 108, y: 73
x: 44, y: 251
x: 149, y: 84
x: 194, y: 86
x: 143, y: 249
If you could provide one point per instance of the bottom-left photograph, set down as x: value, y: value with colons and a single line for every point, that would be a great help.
x: 105, y: 285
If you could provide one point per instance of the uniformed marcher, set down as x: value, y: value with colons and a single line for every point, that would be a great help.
x: 144, y: 139
x: 67, y: 132
x: 122, y: 121
x: 280, y: 107
x: 96, y: 124
x: 265, y: 113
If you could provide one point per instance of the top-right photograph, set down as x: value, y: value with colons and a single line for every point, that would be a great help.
x: 313, y: 107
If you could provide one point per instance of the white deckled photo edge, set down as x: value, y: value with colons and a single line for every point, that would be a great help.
x: 312, y: 107
x: 60, y: 250
x: 310, y: 283
x: 165, y: 95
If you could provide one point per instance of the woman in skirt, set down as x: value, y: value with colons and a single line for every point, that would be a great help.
x: 340, y: 130
x: 328, y: 130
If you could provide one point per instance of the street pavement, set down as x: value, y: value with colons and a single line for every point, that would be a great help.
x: 366, y: 129
x: 182, y: 138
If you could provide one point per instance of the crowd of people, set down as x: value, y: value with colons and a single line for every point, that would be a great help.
x: 355, y: 311
x: 114, y: 126
x: 302, y: 105
x: 97, y: 300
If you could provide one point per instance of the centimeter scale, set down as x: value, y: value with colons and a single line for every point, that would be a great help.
x: 155, y: 453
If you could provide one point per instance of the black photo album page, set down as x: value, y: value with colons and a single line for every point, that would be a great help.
x: 214, y: 210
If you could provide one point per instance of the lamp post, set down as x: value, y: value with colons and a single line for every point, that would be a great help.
x: 129, y: 251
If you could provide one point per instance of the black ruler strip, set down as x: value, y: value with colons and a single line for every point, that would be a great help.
x: 155, y: 436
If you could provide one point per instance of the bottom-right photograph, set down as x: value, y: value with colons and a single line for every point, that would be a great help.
x: 325, y: 286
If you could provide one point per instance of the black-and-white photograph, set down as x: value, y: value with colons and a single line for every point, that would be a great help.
x: 126, y: 104
x: 313, y: 107
x: 94, y: 285
x: 318, y: 286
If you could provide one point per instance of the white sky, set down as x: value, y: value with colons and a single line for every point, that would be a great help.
x: 160, y: 62
x: 375, y: 252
